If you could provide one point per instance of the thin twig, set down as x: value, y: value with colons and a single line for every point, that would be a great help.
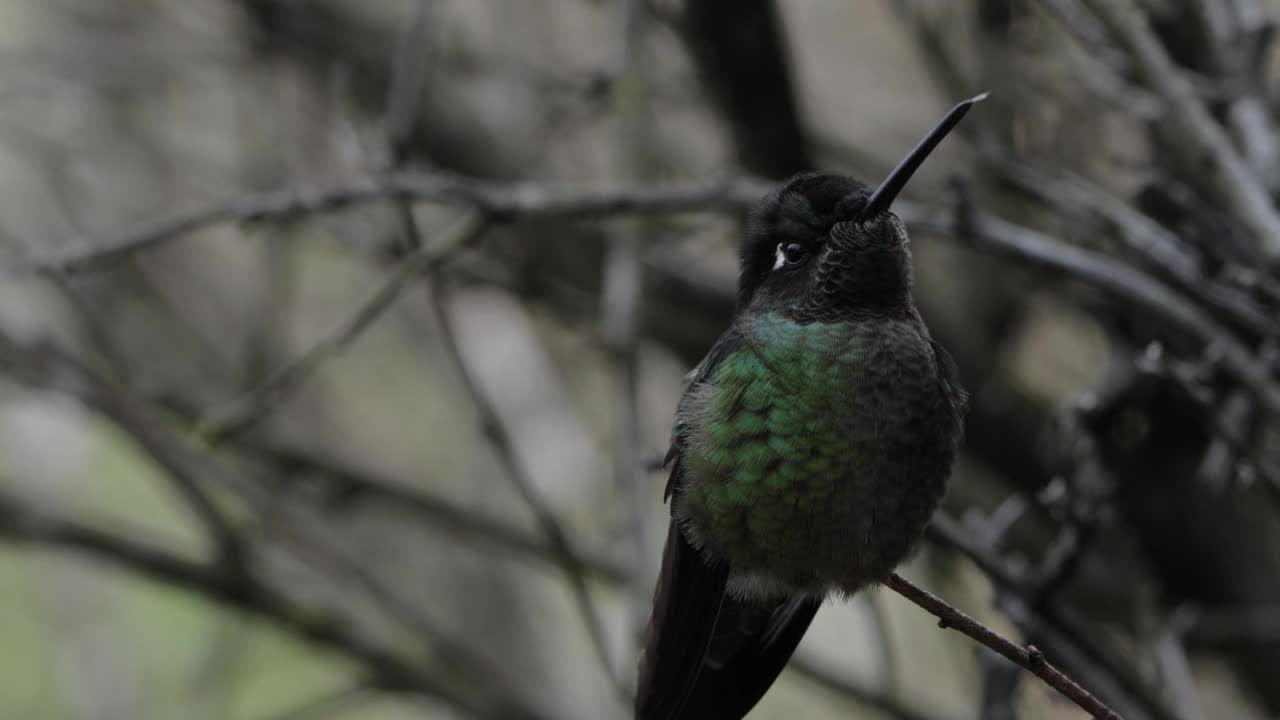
x: 1091, y: 35
x: 354, y: 486
x: 511, y: 200
x: 387, y: 669
x: 498, y: 200
x: 1146, y: 237
x: 243, y: 412
x: 1200, y: 138
x: 1109, y: 675
x: 568, y: 559
x: 403, y: 105
x: 1029, y: 658
x: 310, y: 542
x: 47, y: 367
x: 1115, y: 277
x: 1231, y: 33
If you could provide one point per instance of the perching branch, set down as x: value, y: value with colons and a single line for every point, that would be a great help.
x: 1109, y: 675
x: 1029, y: 658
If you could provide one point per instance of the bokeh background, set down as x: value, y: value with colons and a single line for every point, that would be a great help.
x: 339, y: 341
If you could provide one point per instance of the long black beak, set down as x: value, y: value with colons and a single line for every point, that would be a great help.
x: 883, y: 197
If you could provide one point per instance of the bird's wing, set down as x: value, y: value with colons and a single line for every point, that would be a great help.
x: 751, y: 645
x: 686, y: 605
x: 686, y: 602
x: 949, y: 376
x: 708, y: 656
x: 723, y: 348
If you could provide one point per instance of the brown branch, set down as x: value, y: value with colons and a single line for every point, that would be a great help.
x: 1029, y: 658
x: 498, y: 200
x: 1109, y: 675
x: 243, y: 592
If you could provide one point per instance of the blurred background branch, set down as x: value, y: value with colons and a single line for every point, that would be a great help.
x: 215, y: 373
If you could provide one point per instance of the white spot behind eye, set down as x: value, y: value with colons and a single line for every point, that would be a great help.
x: 781, y: 259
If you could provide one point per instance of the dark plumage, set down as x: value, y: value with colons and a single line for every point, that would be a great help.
x: 809, y: 449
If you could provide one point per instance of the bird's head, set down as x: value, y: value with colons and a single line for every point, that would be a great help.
x: 825, y: 245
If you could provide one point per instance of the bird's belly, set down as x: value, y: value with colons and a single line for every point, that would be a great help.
x: 817, y: 500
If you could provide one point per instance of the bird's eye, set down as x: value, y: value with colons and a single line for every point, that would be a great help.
x: 789, y: 254
x: 794, y: 253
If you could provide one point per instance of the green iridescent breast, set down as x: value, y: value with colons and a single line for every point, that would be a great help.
x: 763, y: 435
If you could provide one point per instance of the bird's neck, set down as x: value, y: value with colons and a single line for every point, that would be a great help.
x: 868, y: 283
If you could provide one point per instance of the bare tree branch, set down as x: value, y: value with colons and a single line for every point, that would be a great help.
x: 243, y: 412
x: 1064, y: 636
x: 244, y: 592
x: 353, y: 486
x: 1229, y: 178
x: 45, y: 367
x: 497, y: 200
x: 1123, y: 281
x: 1148, y: 239
x: 1030, y: 658
x: 496, y: 433
x: 500, y: 200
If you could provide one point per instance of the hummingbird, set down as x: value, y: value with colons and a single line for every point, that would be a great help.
x: 809, y: 449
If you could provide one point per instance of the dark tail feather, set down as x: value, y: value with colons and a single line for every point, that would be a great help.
x: 752, y: 645
x: 686, y: 605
